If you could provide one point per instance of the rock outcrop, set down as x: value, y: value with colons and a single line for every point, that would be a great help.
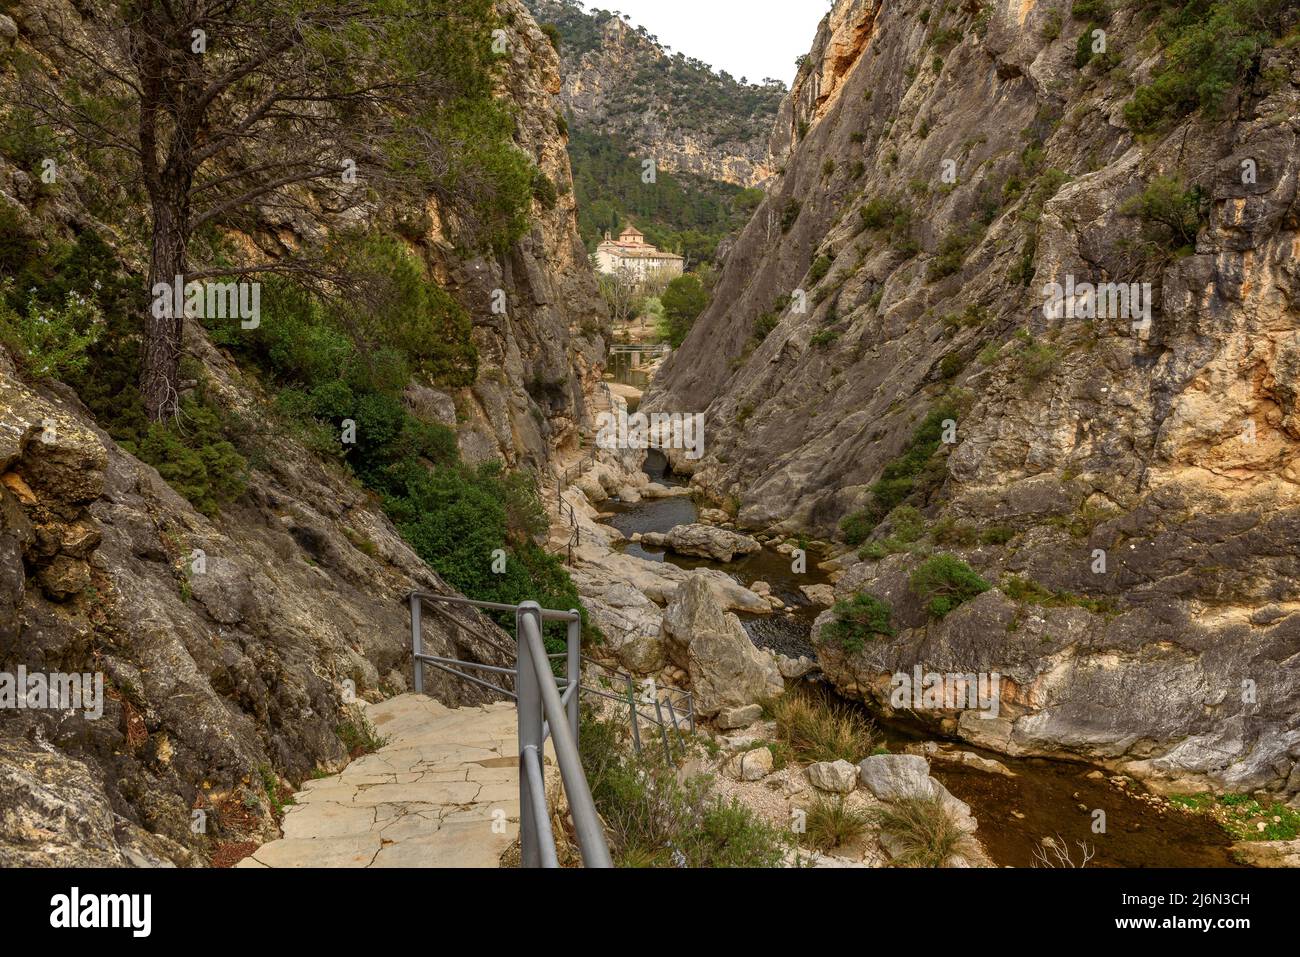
x: 725, y: 668
x: 940, y: 173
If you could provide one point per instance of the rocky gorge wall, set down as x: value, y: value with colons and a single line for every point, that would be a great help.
x: 231, y: 647
x: 998, y: 164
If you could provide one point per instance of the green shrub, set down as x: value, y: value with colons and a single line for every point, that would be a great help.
x: 1209, y: 46
x: 359, y: 735
x: 907, y: 523
x: 544, y: 190
x: 1091, y: 10
x: 1022, y: 589
x: 823, y: 338
x: 948, y: 531
x: 790, y: 214
x: 860, y: 619
x: 50, y: 343
x: 764, y: 325
x: 1034, y: 360
x: 914, y: 472
x: 857, y: 526
x: 195, y: 455
x: 945, y: 582
x: 653, y: 819
x: 997, y: 535
x: 1171, y: 213
x: 820, y: 267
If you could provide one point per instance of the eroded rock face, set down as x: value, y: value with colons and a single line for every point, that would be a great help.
x: 1125, y: 446
x: 212, y: 670
x: 725, y: 668
x: 536, y: 358
x: 1180, y: 702
x: 54, y: 813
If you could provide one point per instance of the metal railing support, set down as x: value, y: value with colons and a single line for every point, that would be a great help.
x: 672, y: 713
x: 659, y: 710
x: 531, y: 769
x: 417, y: 642
x: 631, y: 707
x: 544, y: 713
x: 586, y: 822
x: 573, y: 671
x: 529, y: 697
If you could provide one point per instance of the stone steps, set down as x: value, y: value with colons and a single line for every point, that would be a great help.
x: 442, y: 792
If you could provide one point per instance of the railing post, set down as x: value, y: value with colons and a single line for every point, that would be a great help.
x: 530, y: 735
x: 631, y: 707
x: 417, y: 643
x: 672, y: 713
x: 663, y: 727
x: 574, y: 670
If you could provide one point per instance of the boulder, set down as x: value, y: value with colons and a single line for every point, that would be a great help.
x: 749, y: 766
x: 631, y: 624
x: 896, y: 777
x: 793, y: 668
x: 705, y: 541
x: 838, y: 777
x: 900, y: 777
x: 729, y: 719
x: 725, y: 668
x: 819, y: 594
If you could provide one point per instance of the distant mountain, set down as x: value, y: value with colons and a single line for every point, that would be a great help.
x: 620, y: 81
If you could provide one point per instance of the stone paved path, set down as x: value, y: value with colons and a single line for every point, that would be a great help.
x: 443, y: 792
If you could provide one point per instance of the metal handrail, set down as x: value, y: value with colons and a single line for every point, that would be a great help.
x: 542, y: 713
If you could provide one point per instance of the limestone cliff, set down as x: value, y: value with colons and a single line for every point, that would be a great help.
x: 945, y: 165
x: 535, y: 358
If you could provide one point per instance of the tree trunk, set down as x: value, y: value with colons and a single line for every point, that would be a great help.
x: 161, y: 358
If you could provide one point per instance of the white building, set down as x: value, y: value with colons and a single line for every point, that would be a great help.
x: 630, y: 255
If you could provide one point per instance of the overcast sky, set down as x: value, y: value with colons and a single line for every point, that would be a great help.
x: 749, y: 38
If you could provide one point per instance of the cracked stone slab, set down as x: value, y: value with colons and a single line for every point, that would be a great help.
x: 442, y: 792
